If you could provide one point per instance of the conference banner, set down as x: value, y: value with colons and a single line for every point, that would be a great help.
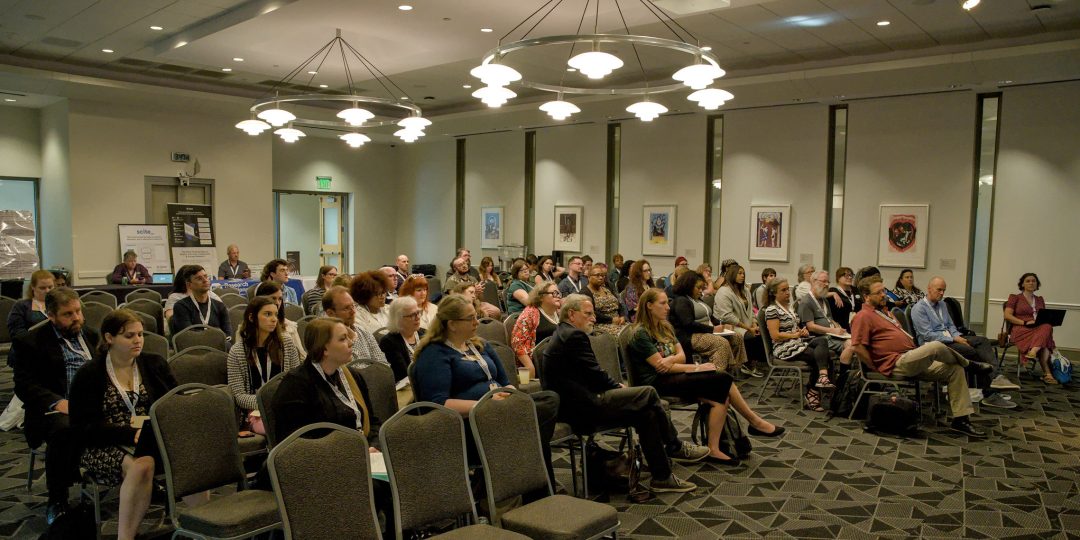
x: 150, y: 243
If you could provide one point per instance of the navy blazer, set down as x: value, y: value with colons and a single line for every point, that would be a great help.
x: 570, y: 369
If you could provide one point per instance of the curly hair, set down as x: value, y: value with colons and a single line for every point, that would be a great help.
x: 369, y: 285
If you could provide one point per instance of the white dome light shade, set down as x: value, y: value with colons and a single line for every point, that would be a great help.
x: 408, y: 135
x: 414, y: 122
x: 289, y: 134
x: 698, y: 76
x: 355, y: 140
x: 560, y: 110
x: 710, y: 98
x: 355, y: 116
x: 646, y: 110
x: 253, y: 127
x: 494, y: 96
x: 595, y: 64
x: 495, y: 74
x: 277, y: 117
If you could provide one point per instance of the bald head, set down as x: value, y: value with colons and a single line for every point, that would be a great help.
x: 935, y: 291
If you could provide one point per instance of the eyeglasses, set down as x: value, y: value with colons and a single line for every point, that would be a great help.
x: 556, y: 294
x: 466, y: 319
x: 597, y: 275
x: 415, y: 315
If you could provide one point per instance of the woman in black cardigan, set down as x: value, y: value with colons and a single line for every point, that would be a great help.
x: 403, y: 323
x: 696, y: 329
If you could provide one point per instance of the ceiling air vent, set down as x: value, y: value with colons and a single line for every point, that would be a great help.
x: 61, y: 42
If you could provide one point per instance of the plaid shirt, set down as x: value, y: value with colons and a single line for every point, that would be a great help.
x: 72, y: 359
x: 365, y: 349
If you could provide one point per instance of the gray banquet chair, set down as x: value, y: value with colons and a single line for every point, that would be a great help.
x: 200, y: 334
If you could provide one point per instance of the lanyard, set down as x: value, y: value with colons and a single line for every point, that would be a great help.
x: 234, y: 269
x: 554, y: 321
x: 209, y: 307
x: 82, y: 351
x: 132, y: 398
x: 1034, y: 311
x: 934, y: 310
x: 483, y: 365
x: 346, y: 398
x: 576, y: 284
x: 264, y: 376
x: 894, y: 322
x: 409, y: 346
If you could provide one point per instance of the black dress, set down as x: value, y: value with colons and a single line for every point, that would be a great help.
x: 106, y: 462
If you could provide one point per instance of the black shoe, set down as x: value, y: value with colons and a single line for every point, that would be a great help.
x: 159, y: 494
x: 730, y: 462
x: 963, y: 425
x: 54, y: 511
x: 776, y: 432
x: 981, y: 367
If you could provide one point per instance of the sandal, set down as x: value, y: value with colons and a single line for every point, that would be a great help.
x: 1049, y: 379
x: 824, y: 382
x: 813, y: 401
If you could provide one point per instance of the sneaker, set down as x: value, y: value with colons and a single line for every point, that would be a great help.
x: 689, y: 453
x: 671, y: 485
x: 1005, y: 396
x: 751, y: 372
x: 997, y: 401
x: 963, y: 425
x: 1001, y: 382
x: 757, y: 373
x: 975, y: 394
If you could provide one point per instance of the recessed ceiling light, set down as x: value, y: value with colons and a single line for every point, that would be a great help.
x: 324, y: 86
x: 110, y: 51
x: 156, y: 28
x: 9, y: 100
x: 969, y: 4
x: 466, y: 86
x: 486, y: 30
x: 570, y: 69
x: 706, y: 48
x: 310, y: 72
x: 883, y: 23
x: 180, y: 44
x: 226, y: 69
x: 405, y: 7
x: 1005, y: 82
x: 237, y: 59
x: 405, y: 97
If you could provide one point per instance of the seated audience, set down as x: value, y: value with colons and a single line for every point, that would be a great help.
x: 233, y: 267
x: 545, y: 270
x: 863, y: 273
x: 416, y: 286
x: 517, y: 293
x: 338, y: 303
x: 695, y: 326
x: 639, y: 281
x: 463, y: 253
x: 802, y: 288
x: 401, y: 271
x: 586, y: 264
x: 485, y: 309
x: 610, y: 314
x: 705, y: 269
x: 906, y: 291
x: 460, y: 272
x: 369, y: 292
x: 883, y: 345
x: 278, y: 270
x: 31, y: 309
x: 262, y: 351
x: 312, y: 298
x: 343, y: 280
x: 843, y: 296
x: 536, y: 322
x: 680, y: 262
x: 180, y: 290
x: 46, y: 360
x: 794, y: 344
x: 404, y: 334
x: 624, y: 277
x: 273, y: 289
x: 657, y: 359
x: 1032, y: 340
x: 60, y: 278
x: 589, y: 399
x: 488, y: 276
x: 130, y: 272
x: 534, y: 266
x: 391, y: 291
x: 615, y: 272
x: 814, y: 315
x: 199, y: 308
x: 724, y: 265
x: 931, y: 321
x: 760, y: 295
x: 732, y: 306
x: 575, y: 280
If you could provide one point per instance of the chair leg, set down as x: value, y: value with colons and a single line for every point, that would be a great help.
x: 30, y: 471
x: 584, y: 466
x: 765, y: 385
x: 573, y: 467
x: 858, y: 399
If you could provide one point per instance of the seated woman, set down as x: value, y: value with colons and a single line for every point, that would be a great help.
x: 468, y: 290
x: 416, y: 286
x: 31, y: 309
x: 695, y: 326
x: 455, y: 368
x: 312, y: 298
x: 369, y: 292
x: 732, y: 305
x: 261, y: 351
x: 906, y: 291
x: 180, y: 292
x: 843, y: 297
x: 640, y: 280
x: 1033, y: 341
x: 610, y: 314
x: 538, y: 321
x: 110, y: 404
x: 487, y: 273
x: 517, y: 293
x: 624, y: 275
x: 657, y: 359
x: 705, y: 269
x: 545, y: 270
x: 276, y: 291
x: 793, y: 344
x: 403, y: 323
x: 130, y: 272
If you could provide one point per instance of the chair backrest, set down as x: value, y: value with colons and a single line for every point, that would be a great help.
x: 434, y: 286
x: 148, y: 321
x: 301, y: 326
x: 538, y: 355
x: 424, y: 448
x: 606, y: 349
x: 100, y: 297
x: 507, y: 438
x: 905, y: 321
x: 294, y: 312
x: 222, y: 292
x: 956, y: 312
x: 766, y: 337
x: 94, y: 313
x: 380, y: 382
x: 6, y: 305
x: 148, y: 294
x: 625, y: 335
x: 200, y: 334
x: 236, y: 316
x: 909, y: 324
x: 264, y: 399
x: 150, y: 307
x: 200, y: 364
x: 507, y: 358
x: 378, y: 334
x: 195, y: 426
x: 492, y: 330
x: 156, y: 344
x: 491, y: 294
x: 323, y: 485
x: 661, y: 283
x: 233, y: 300
x: 753, y: 293
x: 508, y: 324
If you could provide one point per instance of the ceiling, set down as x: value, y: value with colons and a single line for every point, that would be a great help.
x: 429, y: 50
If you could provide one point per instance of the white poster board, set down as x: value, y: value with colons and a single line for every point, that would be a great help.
x: 150, y: 243
x: 18, y: 246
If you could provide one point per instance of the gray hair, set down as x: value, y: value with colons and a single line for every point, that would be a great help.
x: 130, y: 254
x: 803, y: 270
x: 398, y: 308
x: 572, y: 302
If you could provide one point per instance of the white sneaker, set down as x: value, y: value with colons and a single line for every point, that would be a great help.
x: 975, y: 394
x: 1001, y: 382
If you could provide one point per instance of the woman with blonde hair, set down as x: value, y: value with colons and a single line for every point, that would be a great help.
x: 538, y: 321
x: 468, y: 290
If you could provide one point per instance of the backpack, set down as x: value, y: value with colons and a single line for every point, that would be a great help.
x: 1060, y: 367
x: 733, y: 441
x: 843, y: 398
x: 892, y: 414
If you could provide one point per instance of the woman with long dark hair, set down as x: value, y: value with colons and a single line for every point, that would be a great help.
x: 640, y: 279
x: 734, y: 306
x: 262, y: 351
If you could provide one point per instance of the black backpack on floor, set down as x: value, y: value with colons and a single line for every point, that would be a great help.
x: 892, y: 414
x: 733, y: 440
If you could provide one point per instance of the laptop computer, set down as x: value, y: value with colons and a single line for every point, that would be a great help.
x: 162, y: 279
x: 1053, y: 317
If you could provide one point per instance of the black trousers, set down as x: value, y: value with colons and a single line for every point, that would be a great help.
x: 755, y: 348
x: 637, y: 407
x: 61, y: 456
x: 980, y: 350
x: 817, y: 356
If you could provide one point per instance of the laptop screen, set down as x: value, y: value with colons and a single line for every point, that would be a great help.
x: 163, y: 279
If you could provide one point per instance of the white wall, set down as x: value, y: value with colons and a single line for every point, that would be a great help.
x: 911, y: 150
x: 571, y: 169
x: 494, y: 176
x: 425, y: 217
x: 20, y: 142
x: 772, y: 157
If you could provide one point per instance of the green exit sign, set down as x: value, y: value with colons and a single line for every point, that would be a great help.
x: 323, y: 183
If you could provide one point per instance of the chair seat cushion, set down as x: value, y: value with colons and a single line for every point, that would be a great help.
x: 249, y: 445
x: 561, y: 517
x: 481, y: 532
x: 232, y: 515
x: 801, y: 366
x: 562, y: 431
x: 530, y: 387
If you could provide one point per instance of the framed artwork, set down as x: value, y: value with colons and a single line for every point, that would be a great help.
x: 568, y: 228
x: 491, y: 221
x: 902, y: 235
x: 658, y: 230
x: 769, y: 232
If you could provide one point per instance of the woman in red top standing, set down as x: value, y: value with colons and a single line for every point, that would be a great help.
x: 1033, y: 341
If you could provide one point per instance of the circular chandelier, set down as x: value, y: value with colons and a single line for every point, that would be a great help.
x: 586, y: 69
x: 359, y: 111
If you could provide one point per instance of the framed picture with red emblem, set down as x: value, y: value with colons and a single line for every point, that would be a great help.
x: 902, y: 235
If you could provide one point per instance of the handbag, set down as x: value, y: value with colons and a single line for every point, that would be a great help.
x: 1003, y: 336
x: 892, y: 414
x: 1060, y: 367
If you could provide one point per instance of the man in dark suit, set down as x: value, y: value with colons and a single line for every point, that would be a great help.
x: 590, y: 399
x: 46, y: 360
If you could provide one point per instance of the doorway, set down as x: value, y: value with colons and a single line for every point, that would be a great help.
x: 313, y: 225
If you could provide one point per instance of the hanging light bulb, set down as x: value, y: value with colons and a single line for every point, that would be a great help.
x: 408, y: 135
x: 495, y: 74
x: 277, y: 117
x: 711, y: 98
x: 290, y: 134
x: 559, y: 109
x: 355, y: 140
x: 646, y: 110
x: 698, y: 76
x: 355, y: 116
x: 414, y: 122
x: 595, y: 64
x: 253, y: 127
x: 494, y: 96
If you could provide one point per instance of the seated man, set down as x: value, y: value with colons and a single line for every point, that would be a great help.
x: 338, y: 303
x: 278, y: 270
x: 575, y: 281
x: 46, y: 360
x: 391, y: 273
x: 931, y: 321
x: 199, y: 308
x: 589, y: 398
x: 882, y: 344
x: 233, y: 268
x: 813, y: 311
x: 463, y: 253
x: 130, y: 272
x: 401, y: 271
x: 460, y: 272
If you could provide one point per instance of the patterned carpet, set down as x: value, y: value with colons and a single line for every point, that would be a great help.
x: 823, y: 479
